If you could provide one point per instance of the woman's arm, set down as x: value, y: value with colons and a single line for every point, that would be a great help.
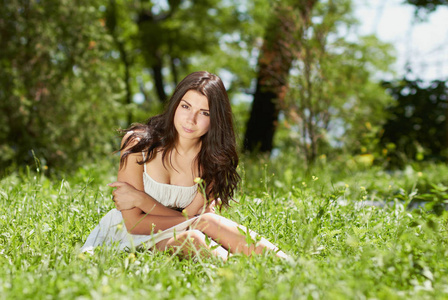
x: 130, y: 188
x: 137, y: 222
x: 199, y: 206
x: 196, y: 206
x: 127, y: 197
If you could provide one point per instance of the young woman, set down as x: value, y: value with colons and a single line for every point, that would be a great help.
x: 157, y: 196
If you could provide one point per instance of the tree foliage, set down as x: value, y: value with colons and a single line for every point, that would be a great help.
x: 417, y: 127
x: 58, y: 85
x: 162, y: 39
x: 425, y: 7
x: 429, y: 5
x: 70, y: 71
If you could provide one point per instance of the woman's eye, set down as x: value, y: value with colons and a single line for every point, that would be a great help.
x: 207, y: 114
x: 184, y: 106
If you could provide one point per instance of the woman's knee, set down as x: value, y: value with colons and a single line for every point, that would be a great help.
x: 208, y: 219
x: 195, y: 236
x: 185, y: 242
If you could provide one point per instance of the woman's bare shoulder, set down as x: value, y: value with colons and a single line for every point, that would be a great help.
x: 134, y: 135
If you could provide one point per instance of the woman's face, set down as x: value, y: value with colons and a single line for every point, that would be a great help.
x: 192, y: 116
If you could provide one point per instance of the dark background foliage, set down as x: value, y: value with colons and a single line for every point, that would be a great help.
x: 71, y: 73
x: 58, y: 87
x: 417, y: 123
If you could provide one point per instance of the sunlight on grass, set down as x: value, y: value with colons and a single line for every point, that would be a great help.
x: 351, y: 232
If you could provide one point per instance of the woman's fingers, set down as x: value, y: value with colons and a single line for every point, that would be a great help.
x: 124, y: 186
x: 123, y: 195
x: 117, y: 184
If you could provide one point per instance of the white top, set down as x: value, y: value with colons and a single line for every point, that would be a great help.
x: 112, y: 231
x: 173, y: 196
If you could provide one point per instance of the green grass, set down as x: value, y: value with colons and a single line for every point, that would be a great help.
x: 341, y: 249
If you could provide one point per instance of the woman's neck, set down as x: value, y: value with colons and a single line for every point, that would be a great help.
x: 186, y: 147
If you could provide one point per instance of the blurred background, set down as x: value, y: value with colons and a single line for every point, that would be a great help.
x: 360, y: 81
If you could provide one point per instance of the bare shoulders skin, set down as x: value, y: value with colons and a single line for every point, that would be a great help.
x: 131, y: 171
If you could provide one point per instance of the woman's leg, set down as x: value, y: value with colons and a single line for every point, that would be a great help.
x: 192, y: 243
x: 226, y: 232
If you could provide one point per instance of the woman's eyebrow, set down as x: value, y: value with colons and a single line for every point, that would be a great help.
x: 186, y: 102
x: 202, y: 109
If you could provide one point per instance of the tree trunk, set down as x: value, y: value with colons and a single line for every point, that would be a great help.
x: 158, y: 77
x: 262, y: 122
x: 150, y: 31
x: 127, y: 75
x: 111, y: 18
x: 276, y: 57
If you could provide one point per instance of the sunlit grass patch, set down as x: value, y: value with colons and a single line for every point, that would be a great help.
x: 342, y: 247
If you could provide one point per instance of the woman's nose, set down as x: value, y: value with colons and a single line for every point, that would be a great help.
x: 191, y: 117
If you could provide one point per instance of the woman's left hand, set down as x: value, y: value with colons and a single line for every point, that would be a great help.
x: 210, y: 208
x: 125, y: 196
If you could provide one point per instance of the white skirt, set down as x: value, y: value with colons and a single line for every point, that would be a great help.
x: 111, y: 231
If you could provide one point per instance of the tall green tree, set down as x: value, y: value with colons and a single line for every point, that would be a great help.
x: 164, y: 38
x: 57, y: 83
x: 329, y: 71
x: 334, y: 99
x: 120, y: 30
x: 281, y: 42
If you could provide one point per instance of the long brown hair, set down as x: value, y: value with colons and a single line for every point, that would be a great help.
x: 218, y: 159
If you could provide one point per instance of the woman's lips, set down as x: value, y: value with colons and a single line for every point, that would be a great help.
x: 188, y: 130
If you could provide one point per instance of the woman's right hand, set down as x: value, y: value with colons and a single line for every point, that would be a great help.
x: 125, y: 196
